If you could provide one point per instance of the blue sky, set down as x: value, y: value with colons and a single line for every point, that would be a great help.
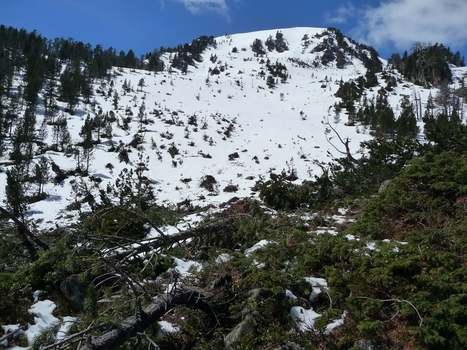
x: 142, y: 25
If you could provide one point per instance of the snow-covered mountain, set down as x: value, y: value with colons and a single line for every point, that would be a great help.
x: 247, y: 108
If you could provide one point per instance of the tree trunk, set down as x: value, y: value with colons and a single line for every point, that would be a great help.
x: 133, y: 325
x: 24, y: 233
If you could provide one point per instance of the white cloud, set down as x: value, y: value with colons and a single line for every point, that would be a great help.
x: 342, y: 14
x: 404, y: 22
x: 198, y: 6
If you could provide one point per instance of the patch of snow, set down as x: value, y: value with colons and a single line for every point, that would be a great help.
x: 305, y: 319
x: 222, y: 258
x: 37, y: 294
x: 290, y: 295
x: 318, y: 285
x: 336, y: 323
x: 166, y: 327
x: 67, y: 322
x: 257, y: 246
x: 184, y: 266
x: 43, y: 318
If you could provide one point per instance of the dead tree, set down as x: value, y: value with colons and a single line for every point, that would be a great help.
x: 131, y: 326
x: 167, y: 241
x: 25, y: 235
x: 345, y: 142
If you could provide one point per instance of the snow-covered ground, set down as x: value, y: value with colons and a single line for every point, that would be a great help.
x: 270, y: 129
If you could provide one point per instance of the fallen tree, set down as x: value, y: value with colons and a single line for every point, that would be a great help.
x: 164, y: 241
x: 133, y: 325
x: 25, y: 235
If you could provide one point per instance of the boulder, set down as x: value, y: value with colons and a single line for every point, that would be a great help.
x: 72, y: 289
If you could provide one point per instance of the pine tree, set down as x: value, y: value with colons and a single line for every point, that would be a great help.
x: 42, y: 135
x: 35, y: 74
x: 406, y: 124
x: 141, y: 115
x: 444, y: 98
x: 87, y: 143
x: 15, y: 197
x: 11, y: 115
x: 86, y: 86
x: 64, y: 138
x: 98, y: 123
x: 50, y: 104
x: 2, y: 131
x: 385, y: 114
x: 141, y: 84
x: 70, y: 84
x: 351, y: 113
x: 115, y: 100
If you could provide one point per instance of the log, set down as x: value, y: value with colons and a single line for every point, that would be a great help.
x: 133, y: 325
x: 169, y: 240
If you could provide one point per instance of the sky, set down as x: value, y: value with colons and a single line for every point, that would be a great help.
x: 143, y: 25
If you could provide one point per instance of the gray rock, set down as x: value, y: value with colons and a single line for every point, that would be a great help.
x: 365, y: 344
x: 384, y: 186
x: 72, y: 289
x: 244, y: 328
x: 249, y: 313
x: 259, y: 293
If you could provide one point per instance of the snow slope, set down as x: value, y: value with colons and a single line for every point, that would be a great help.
x: 230, y: 125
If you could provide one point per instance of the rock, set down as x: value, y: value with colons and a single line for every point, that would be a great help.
x: 384, y: 186
x: 365, y: 344
x: 259, y: 293
x: 246, y: 327
x: 72, y: 289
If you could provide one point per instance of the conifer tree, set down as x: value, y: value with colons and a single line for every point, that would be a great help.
x: 87, y: 143
x: 406, y: 124
x: 385, y: 122
x: 64, y: 138
x: 141, y: 115
x: 2, y: 131
x: 86, y: 86
x: 42, y: 135
x: 10, y: 117
x: 15, y: 197
x: 115, y: 100
x: 70, y: 84
x: 98, y: 123
x: 34, y: 77
x: 50, y: 104
x: 141, y: 84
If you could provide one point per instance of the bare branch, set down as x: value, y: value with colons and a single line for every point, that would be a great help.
x: 76, y: 335
x: 345, y: 142
x: 167, y: 241
x: 400, y: 301
x: 24, y: 233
